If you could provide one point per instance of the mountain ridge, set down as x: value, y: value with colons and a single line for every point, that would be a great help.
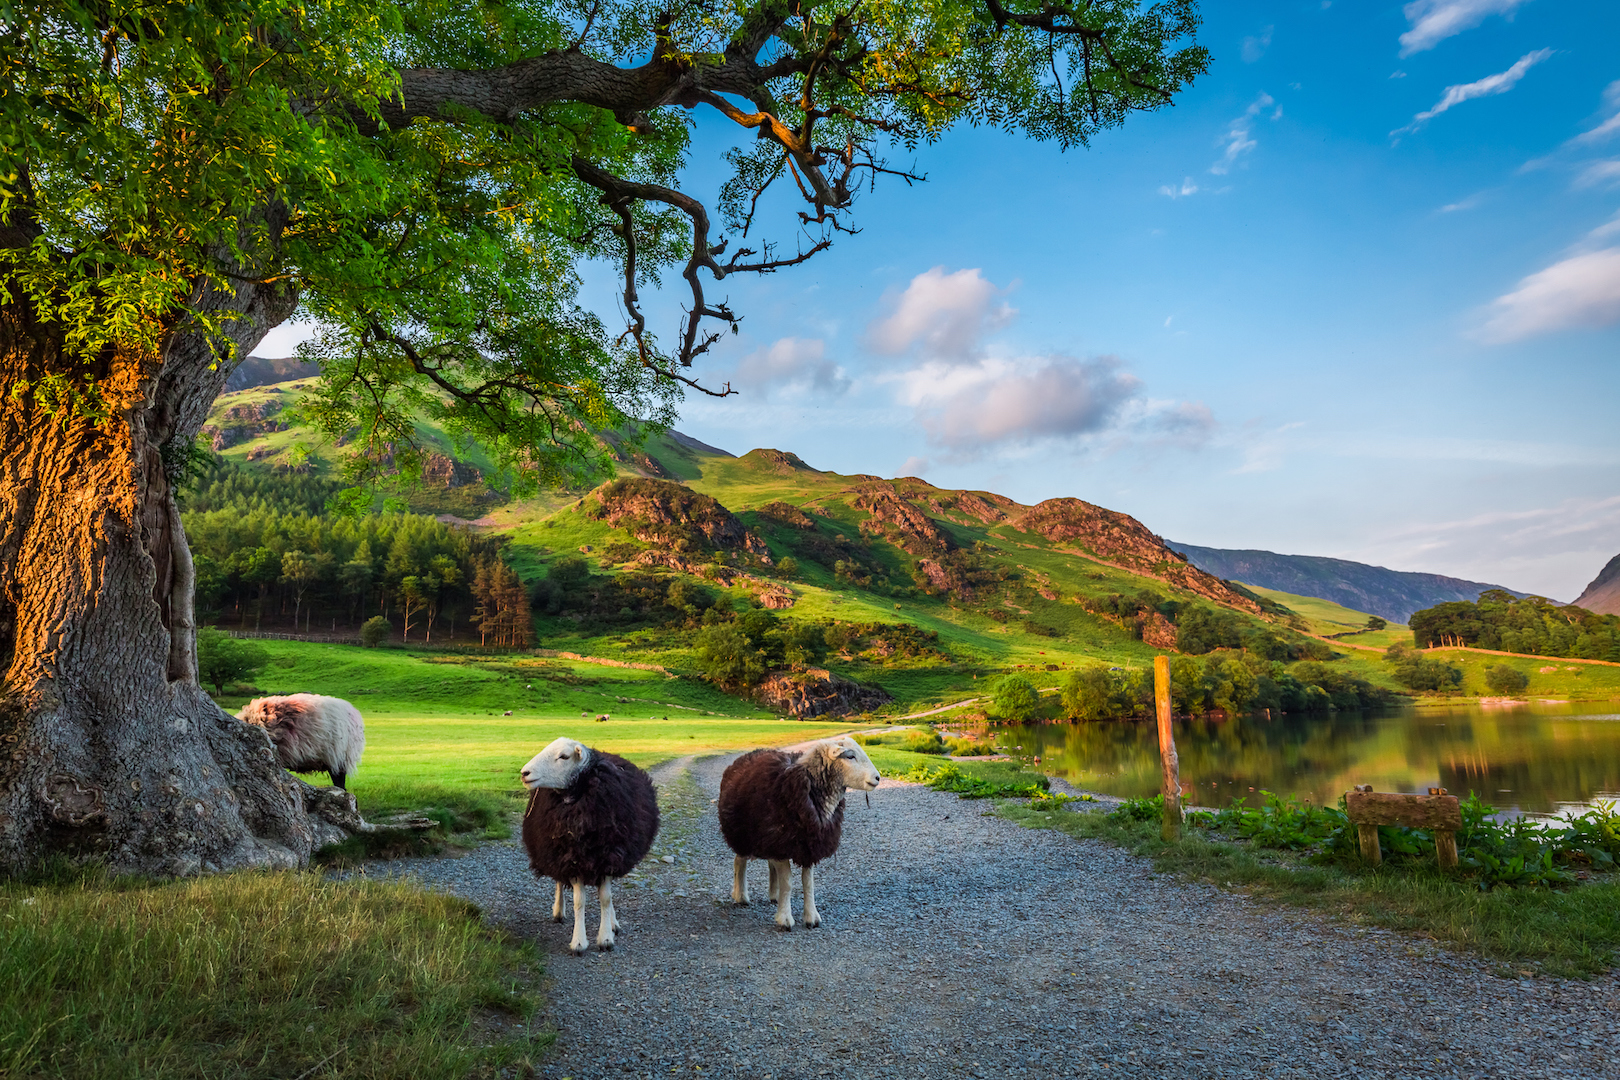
x: 1603, y: 594
x: 1389, y: 594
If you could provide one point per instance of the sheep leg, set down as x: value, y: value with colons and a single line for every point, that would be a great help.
x: 784, y: 898
x: 580, y: 941
x: 812, y: 917
x: 776, y: 880
x: 739, y: 880
x: 609, y: 923
x: 337, y: 780
x: 557, y: 905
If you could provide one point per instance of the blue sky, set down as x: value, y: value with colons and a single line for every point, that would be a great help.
x: 1357, y: 294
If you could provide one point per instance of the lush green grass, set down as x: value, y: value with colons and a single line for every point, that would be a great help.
x: 1573, y: 932
x: 1327, y: 618
x: 1566, y: 680
x: 437, y: 736
x: 274, y: 975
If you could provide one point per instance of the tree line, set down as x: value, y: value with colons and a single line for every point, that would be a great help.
x: 1532, y: 624
x: 267, y: 555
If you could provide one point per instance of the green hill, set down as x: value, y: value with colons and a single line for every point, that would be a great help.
x: 805, y: 590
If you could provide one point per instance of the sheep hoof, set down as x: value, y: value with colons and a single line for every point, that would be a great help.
x: 578, y: 948
x: 605, y: 946
x: 812, y: 921
x: 556, y: 918
x: 784, y: 926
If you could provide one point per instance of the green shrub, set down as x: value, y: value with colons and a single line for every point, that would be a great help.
x: 1502, y: 679
x: 1015, y: 699
x: 223, y: 659
x: 374, y: 631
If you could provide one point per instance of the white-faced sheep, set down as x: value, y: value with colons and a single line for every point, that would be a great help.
x: 592, y: 817
x: 788, y: 807
x: 312, y: 733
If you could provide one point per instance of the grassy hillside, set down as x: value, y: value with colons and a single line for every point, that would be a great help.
x: 1329, y: 619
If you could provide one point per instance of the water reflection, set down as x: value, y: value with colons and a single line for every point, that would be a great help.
x: 1534, y: 758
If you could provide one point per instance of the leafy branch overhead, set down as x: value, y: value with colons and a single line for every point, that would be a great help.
x: 428, y: 179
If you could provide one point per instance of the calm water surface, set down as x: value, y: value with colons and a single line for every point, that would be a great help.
x: 1537, y: 758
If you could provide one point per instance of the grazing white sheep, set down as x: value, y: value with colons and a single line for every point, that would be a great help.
x: 312, y: 733
x: 788, y: 807
x: 592, y: 817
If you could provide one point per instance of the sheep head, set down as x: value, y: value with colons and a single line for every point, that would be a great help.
x: 846, y: 756
x: 557, y: 765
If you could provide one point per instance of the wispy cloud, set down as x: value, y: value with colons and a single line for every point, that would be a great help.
x: 1582, y: 291
x: 1599, y: 174
x: 1500, y: 83
x: 792, y: 362
x: 942, y: 316
x: 1187, y: 188
x: 1239, y: 139
x: 1255, y: 47
x: 1464, y: 204
x: 1609, y: 127
x: 1432, y: 21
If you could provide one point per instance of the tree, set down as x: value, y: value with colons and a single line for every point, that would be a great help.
x: 1375, y: 623
x: 374, y: 631
x: 178, y: 178
x: 299, y: 571
x: 222, y: 659
x: 1502, y: 679
x: 1015, y: 699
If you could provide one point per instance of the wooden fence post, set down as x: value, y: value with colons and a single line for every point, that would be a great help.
x: 1167, y: 750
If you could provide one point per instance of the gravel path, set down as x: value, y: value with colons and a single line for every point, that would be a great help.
x: 955, y: 944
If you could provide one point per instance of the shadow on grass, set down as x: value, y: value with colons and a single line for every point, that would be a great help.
x: 1571, y: 932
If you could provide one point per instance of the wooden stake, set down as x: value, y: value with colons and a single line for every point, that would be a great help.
x: 1368, y: 834
x: 1167, y: 750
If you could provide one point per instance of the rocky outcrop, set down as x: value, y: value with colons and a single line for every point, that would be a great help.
x: 446, y: 471
x: 662, y: 512
x: 787, y: 514
x: 1157, y: 630
x: 986, y: 506
x: 1122, y: 541
x: 896, y: 520
x: 777, y: 461
x: 243, y: 423
x: 818, y: 692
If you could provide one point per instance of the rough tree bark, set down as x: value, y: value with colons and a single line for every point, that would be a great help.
x: 109, y: 749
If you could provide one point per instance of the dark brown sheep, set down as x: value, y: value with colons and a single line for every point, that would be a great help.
x: 592, y: 817
x: 788, y: 808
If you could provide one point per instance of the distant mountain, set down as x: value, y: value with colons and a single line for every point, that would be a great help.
x: 266, y: 370
x: 1603, y: 595
x: 1392, y: 594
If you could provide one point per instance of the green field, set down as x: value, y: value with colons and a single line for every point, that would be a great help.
x: 1326, y: 618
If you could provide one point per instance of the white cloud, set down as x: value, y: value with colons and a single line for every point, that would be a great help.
x: 1610, y: 126
x: 1432, y: 21
x: 1500, y: 83
x: 1255, y: 47
x: 1187, y: 188
x: 1581, y: 291
x: 1464, y: 204
x: 1002, y: 402
x: 1238, y: 139
x: 914, y: 466
x: 284, y: 340
x: 1608, y: 228
x: 943, y: 316
x: 1599, y: 173
x: 792, y: 362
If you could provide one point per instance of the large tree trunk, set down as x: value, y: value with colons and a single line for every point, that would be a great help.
x: 109, y: 749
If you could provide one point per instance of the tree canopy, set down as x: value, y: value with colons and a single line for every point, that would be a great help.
x: 427, y: 178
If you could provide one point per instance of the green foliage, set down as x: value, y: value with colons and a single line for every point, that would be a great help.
x: 223, y: 659
x: 1415, y: 671
x: 1534, y: 625
x: 1375, y: 623
x: 374, y: 631
x: 1015, y: 699
x: 1502, y: 679
x: 727, y: 657
x: 951, y: 777
x: 1098, y: 692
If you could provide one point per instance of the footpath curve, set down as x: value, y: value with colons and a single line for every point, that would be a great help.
x: 956, y: 944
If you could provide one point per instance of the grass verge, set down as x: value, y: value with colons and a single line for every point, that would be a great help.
x: 1570, y: 932
x: 257, y: 975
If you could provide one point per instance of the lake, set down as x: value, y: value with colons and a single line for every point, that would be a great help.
x: 1535, y: 758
